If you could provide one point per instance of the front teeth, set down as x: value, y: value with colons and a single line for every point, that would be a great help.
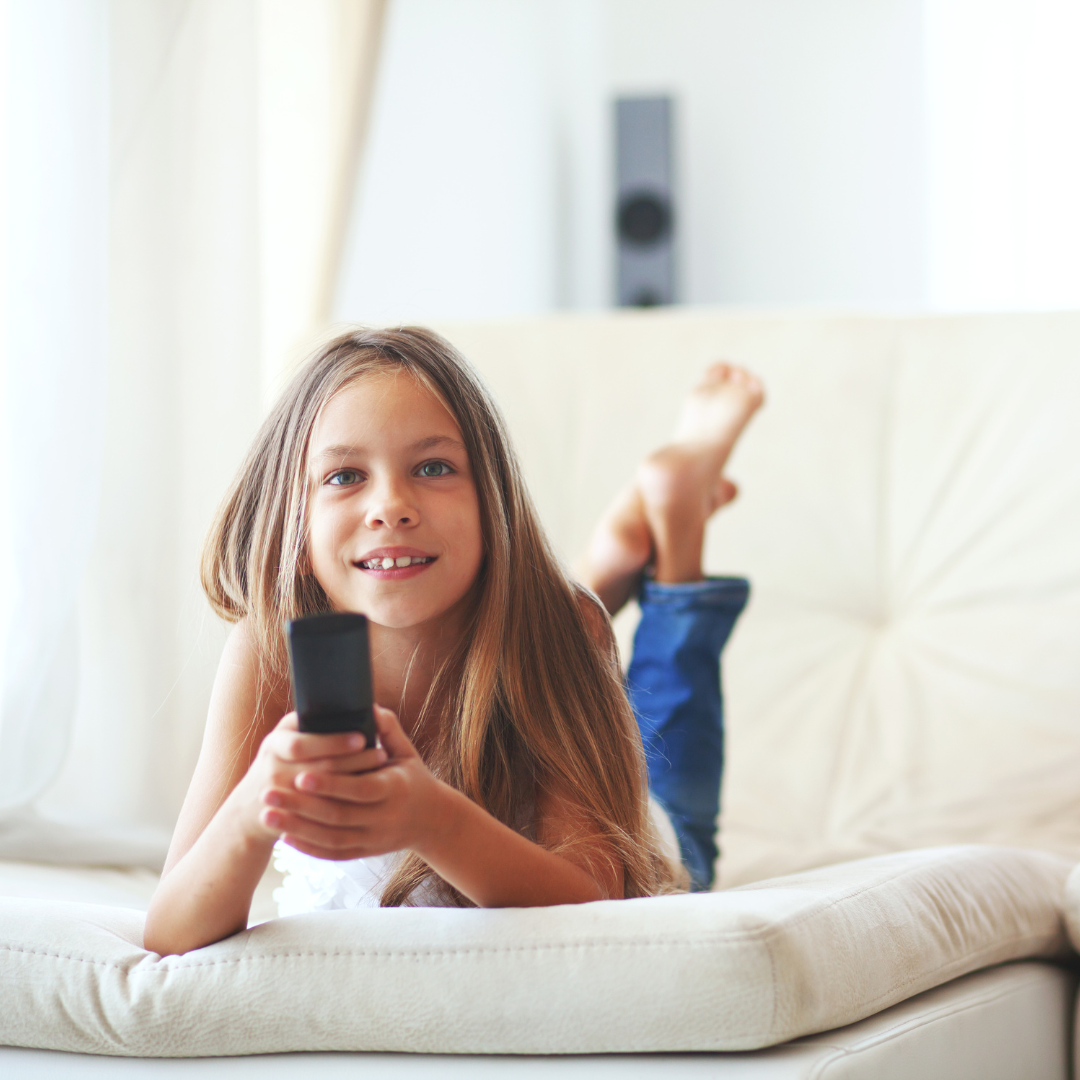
x: 389, y: 564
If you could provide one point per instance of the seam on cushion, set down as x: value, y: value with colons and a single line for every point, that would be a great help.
x: 764, y: 935
x: 760, y: 932
x: 412, y: 954
x: 775, y: 994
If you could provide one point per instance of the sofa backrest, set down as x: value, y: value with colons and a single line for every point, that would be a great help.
x: 908, y: 671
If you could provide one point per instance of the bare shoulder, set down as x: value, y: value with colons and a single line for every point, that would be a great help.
x: 247, y: 700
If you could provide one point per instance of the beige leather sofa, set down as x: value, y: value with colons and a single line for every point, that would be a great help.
x: 902, y: 801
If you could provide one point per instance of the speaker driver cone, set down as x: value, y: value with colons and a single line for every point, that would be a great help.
x: 644, y: 218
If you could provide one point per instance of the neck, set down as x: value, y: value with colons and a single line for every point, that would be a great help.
x: 404, y: 662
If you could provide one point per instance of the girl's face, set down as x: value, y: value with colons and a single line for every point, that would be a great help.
x: 394, y: 521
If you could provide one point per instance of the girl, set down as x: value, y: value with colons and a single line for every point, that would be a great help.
x: 510, y: 771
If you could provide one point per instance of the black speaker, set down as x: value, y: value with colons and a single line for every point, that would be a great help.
x: 644, y: 215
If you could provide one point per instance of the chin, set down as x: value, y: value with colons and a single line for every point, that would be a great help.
x: 395, y: 617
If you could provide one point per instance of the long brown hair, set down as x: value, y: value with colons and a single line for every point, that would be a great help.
x: 532, y: 702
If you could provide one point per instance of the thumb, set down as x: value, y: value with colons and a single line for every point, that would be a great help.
x: 394, y: 740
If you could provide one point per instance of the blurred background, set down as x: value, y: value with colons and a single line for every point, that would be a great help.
x: 194, y: 188
x: 852, y: 153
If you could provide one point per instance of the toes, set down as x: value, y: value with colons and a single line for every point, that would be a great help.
x: 716, y: 373
x: 724, y: 372
x: 748, y: 382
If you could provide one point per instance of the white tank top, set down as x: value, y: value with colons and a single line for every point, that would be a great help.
x: 328, y: 885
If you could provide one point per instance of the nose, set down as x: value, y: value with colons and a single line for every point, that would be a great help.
x: 390, y: 507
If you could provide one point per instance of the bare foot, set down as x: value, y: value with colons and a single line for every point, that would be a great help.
x: 660, y: 518
x: 716, y: 411
x: 681, y: 485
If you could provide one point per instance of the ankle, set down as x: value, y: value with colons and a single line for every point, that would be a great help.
x: 678, y: 574
x: 678, y: 554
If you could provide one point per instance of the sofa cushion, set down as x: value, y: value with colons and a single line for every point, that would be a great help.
x: 1008, y: 1021
x: 740, y: 969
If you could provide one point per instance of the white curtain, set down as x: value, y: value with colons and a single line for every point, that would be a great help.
x: 54, y: 369
x: 228, y: 131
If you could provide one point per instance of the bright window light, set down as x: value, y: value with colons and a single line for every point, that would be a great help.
x: 1003, y: 116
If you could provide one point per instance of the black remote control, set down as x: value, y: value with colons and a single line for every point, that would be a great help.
x: 331, y: 674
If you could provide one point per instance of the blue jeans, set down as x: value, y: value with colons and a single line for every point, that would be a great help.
x: 674, y: 688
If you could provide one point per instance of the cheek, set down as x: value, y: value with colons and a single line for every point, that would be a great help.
x: 469, y: 540
x: 316, y: 529
x: 326, y: 523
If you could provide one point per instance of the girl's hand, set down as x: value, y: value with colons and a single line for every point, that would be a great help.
x: 288, y: 752
x: 342, y: 808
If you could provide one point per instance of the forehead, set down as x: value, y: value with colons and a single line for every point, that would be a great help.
x: 382, y: 407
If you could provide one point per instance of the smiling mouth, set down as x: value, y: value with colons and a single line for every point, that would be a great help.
x: 399, y: 563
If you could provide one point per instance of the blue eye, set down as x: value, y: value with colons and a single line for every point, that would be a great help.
x: 434, y: 468
x: 344, y: 477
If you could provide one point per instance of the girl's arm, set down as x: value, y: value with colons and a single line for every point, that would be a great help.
x: 497, y: 867
x: 221, y: 845
x: 333, y: 815
x: 216, y: 858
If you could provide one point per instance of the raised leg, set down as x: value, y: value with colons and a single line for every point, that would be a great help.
x: 674, y: 677
x: 674, y: 687
x: 660, y: 517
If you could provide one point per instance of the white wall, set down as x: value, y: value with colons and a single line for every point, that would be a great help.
x: 456, y: 215
x: 800, y: 144
x: 487, y: 183
x: 860, y: 153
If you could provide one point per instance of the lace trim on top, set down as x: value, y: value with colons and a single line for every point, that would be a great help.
x: 328, y: 885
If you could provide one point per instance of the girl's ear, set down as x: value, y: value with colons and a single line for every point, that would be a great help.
x: 303, y: 564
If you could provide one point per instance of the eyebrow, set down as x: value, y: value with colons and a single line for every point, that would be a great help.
x: 437, y: 440
x: 429, y: 443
